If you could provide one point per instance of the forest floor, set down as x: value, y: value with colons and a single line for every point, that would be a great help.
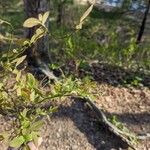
x: 74, y: 127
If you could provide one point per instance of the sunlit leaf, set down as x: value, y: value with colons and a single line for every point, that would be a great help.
x: 28, y: 137
x: 20, y: 60
x: 70, y: 43
x: 38, y: 34
x: 24, y: 113
x: 87, y: 12
x: 39, y: 31
x: 84, y: 16
x: 31, y: 22
x: 37, y: 125
x: 25, y: 123
x: 17, y: 142
x: 45, y: 17
x: 3, y: 21
x: 31, y: 80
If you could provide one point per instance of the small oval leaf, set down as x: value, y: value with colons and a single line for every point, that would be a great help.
x: 45, y: 17
x: 31, y: 22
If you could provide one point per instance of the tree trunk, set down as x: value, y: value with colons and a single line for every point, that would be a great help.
x: 38, y: 54
x: 40, y: 50
x: 60, y: 13
x: 142, y: 28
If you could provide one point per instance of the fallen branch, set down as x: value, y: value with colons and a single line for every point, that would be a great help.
x: 103, y: 119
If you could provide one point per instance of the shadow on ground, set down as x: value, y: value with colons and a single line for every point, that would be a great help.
x: 85, y: 121
x: 133, y: 119
x: 110, y: 74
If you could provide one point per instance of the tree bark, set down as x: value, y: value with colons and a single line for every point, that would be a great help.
x: 142, y: 28
x: 38, y: 54
x: 40, y: 50
x: 60, y: 12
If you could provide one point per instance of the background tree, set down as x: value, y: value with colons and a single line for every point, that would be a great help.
x: 39, y: 50
x: 38, y: 54
x: 142, y: 28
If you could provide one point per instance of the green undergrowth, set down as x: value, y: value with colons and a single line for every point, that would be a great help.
x: 108, y: 37
x: 24, y: 100
x: 23, y: 96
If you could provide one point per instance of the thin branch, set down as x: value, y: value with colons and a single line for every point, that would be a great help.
x: 142, y: 28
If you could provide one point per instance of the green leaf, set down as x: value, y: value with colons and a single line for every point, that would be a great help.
x: 31, y: 80
x: 45, y: 17
x: 28, y: 137
x: 31, y: 22
x: 24, y: 112
x: 54, y: 66
x: 84, y: 16
x: 3, y: 21
x: 39, y: 33
x: 25, y: 124
x: 36, y: 125
x: 40, y: 112
x: 70, y: 43
x: 17, y: 142
x: 20, y: 60
x: 25, y: 131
